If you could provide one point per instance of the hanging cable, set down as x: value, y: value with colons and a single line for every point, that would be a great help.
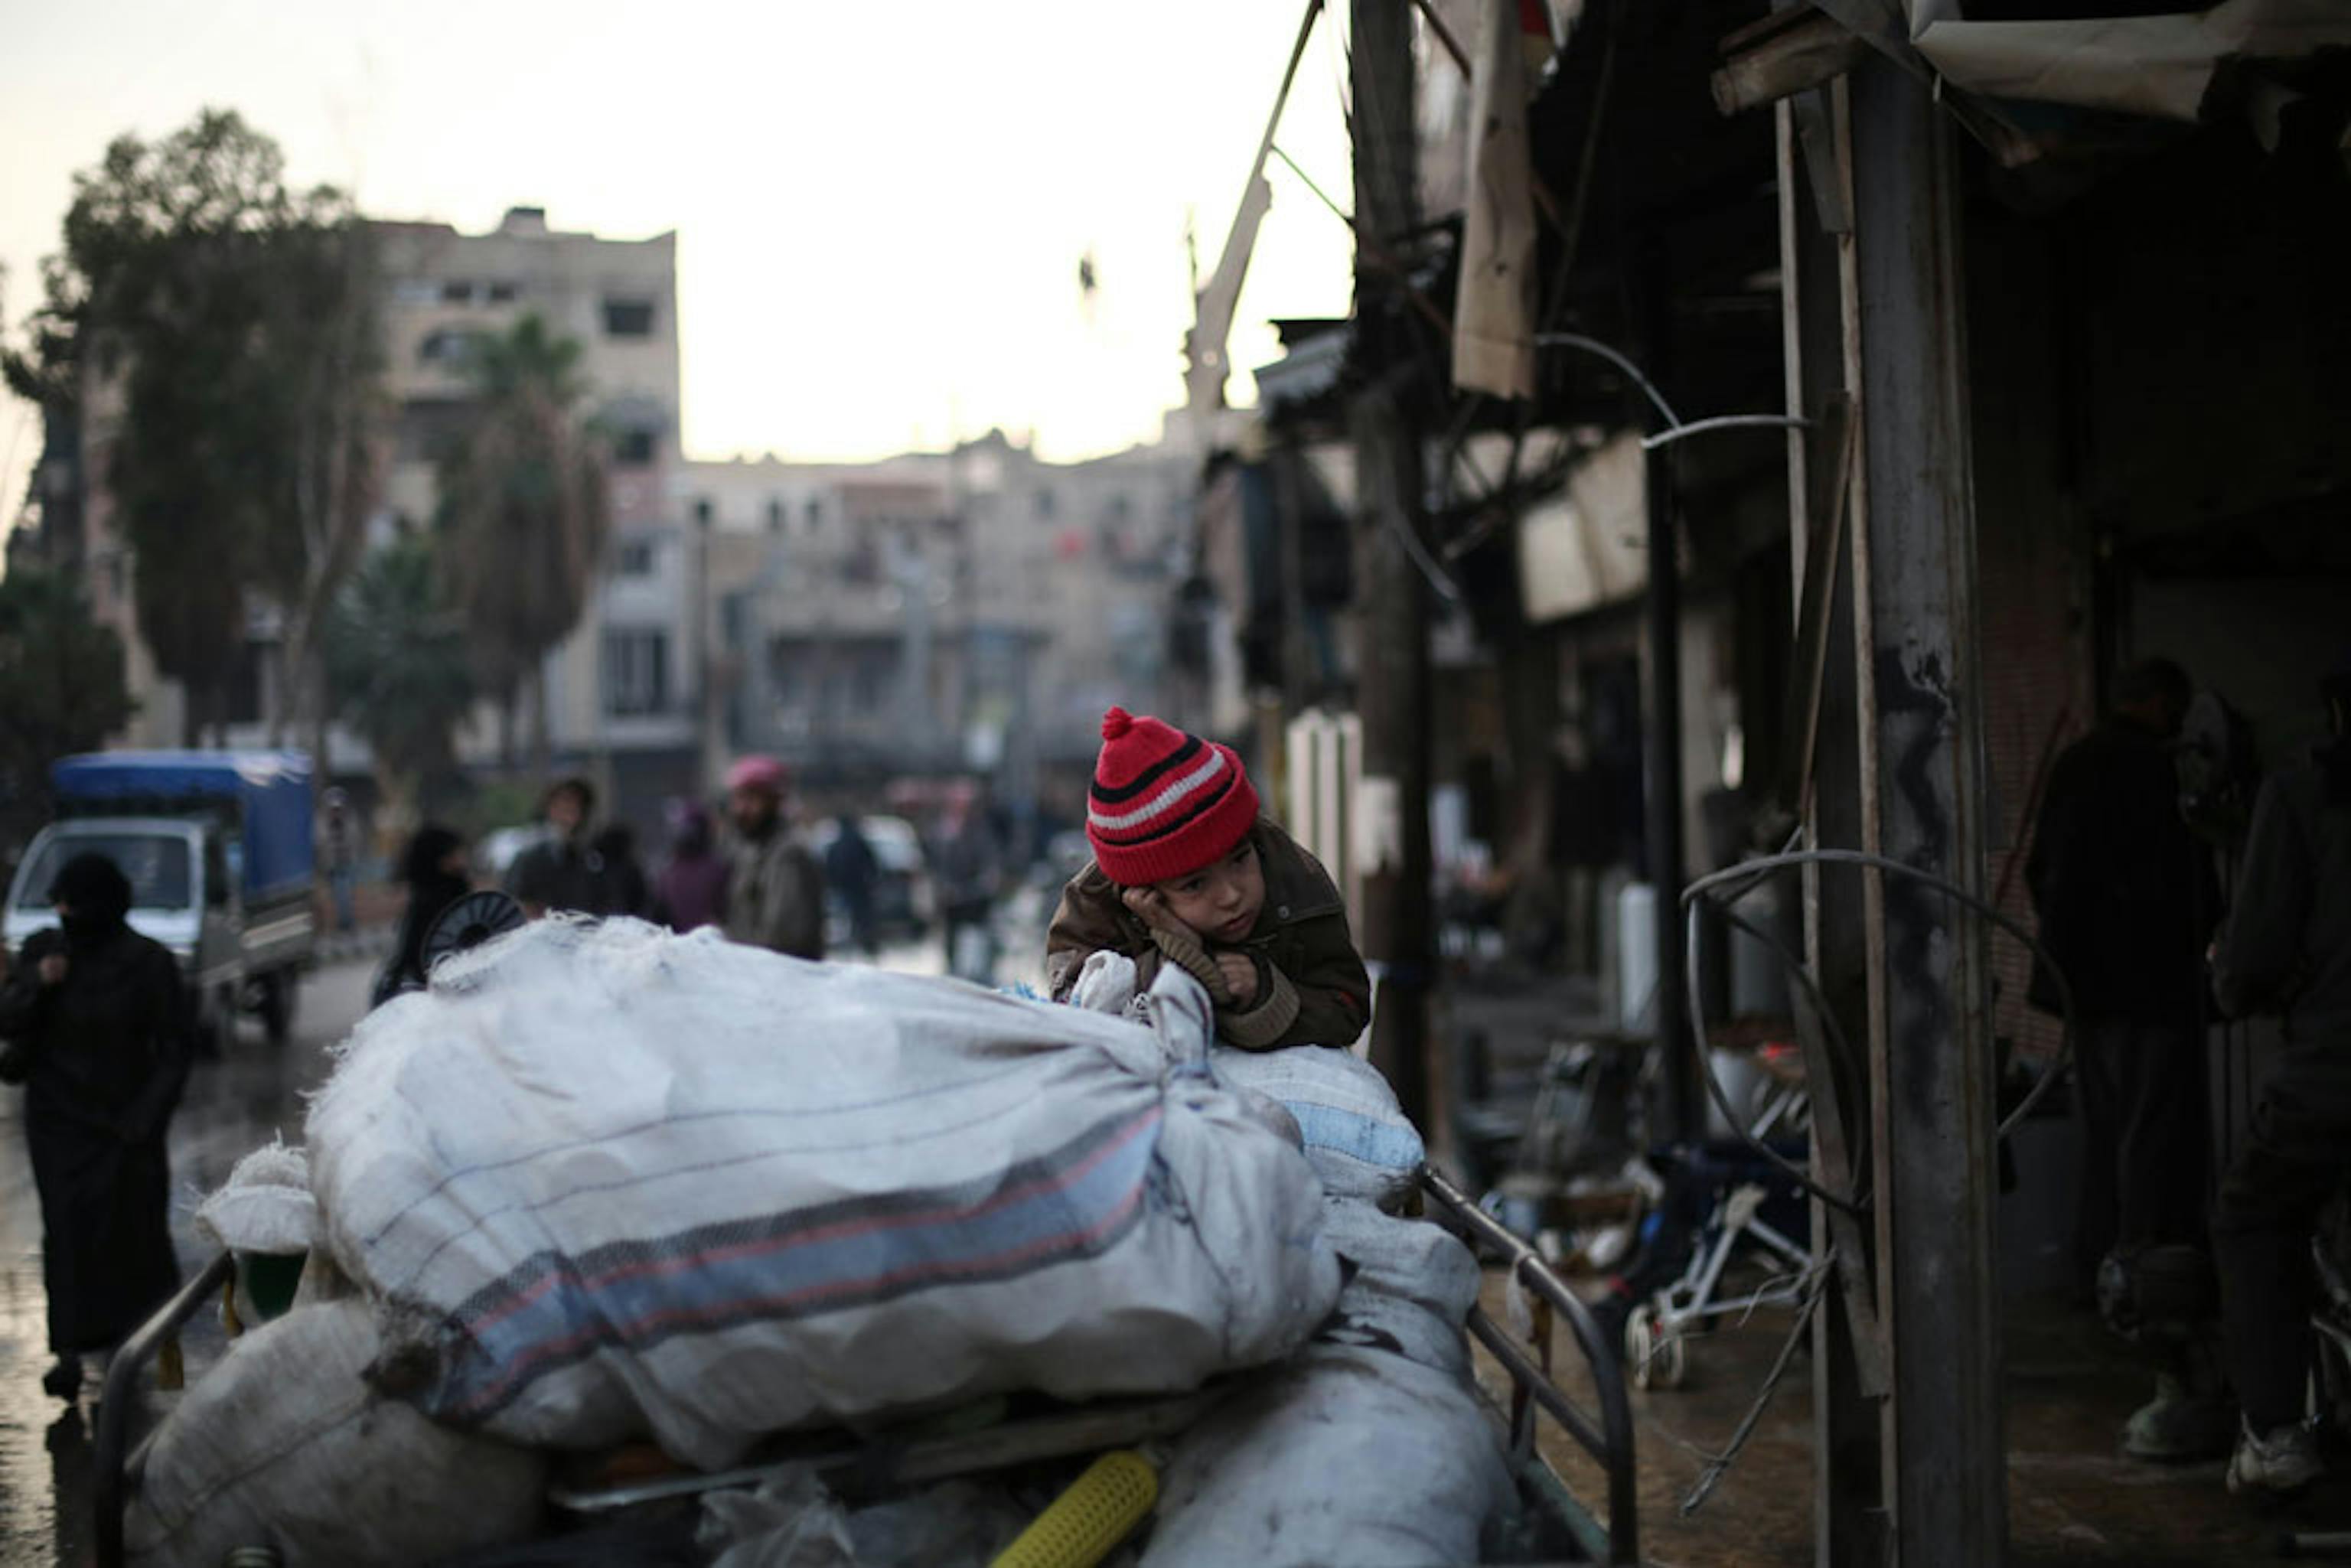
x: 1957, y: 894
x: 1594, y: 346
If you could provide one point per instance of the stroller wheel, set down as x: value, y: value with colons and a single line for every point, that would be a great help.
x: 1655, y: 1351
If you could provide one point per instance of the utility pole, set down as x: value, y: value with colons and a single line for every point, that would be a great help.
x: 1391, y: 673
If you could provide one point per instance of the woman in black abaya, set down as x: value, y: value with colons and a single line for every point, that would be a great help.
x: 95, y: 1021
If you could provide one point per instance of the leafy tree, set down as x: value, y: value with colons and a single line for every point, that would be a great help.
x: 223, y: 326
x: 526, y: 507
x: 61, y: 689
x: 397, y: 667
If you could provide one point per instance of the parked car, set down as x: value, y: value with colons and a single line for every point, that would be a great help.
x: 901, y: 883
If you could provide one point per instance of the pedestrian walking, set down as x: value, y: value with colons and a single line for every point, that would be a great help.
x: 340, y: 836
x: 627, y: 889
x: 775, y: 888
x: 964, y: 871
x: 432, y: 868
x: 851, y: 869
x: 96, y: 1025
x: 691, y: 890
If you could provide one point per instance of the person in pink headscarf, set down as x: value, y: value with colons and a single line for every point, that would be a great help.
x: 775, y: 887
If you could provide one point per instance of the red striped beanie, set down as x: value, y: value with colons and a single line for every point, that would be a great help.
x: 1163, y: 803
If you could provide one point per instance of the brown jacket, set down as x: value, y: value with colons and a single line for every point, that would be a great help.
x: 1311, y: 987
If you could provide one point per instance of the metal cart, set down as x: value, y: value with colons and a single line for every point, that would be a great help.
x: 1561, y: 1527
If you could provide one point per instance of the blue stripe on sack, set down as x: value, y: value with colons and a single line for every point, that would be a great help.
x: 740, y: 1276
x: 1383, y: 1144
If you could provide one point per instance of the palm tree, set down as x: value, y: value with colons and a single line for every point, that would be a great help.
x: 396, y: 666
x: 527, y: 510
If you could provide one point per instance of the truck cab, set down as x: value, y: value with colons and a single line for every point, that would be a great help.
x: 216, y: 846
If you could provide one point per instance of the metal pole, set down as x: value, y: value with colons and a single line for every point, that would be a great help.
x: 1922, y: 737
x: 1662, y: 765
x: 1393, y: 688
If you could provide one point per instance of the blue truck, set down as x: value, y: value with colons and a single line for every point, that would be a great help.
x: 220, y: 852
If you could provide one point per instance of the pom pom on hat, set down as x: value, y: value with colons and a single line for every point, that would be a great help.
x: 1163, y: 803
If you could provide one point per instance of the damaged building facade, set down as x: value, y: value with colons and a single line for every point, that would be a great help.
x: 1961, y: 355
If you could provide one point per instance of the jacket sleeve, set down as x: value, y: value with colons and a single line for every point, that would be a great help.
x: 170, y: 1030
x: 799, y: 915
x: 1081, y: 926
x: 2262, y: 943
x: 23, y: 1000
x: 1327, y: 1002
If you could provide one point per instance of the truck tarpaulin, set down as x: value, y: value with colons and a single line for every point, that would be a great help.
x: 265, y: 793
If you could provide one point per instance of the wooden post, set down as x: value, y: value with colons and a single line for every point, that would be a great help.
x: 1391, y: 673
x: 1850, y: 1516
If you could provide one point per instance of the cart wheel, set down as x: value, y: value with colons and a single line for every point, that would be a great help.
x: 1655, y: 1351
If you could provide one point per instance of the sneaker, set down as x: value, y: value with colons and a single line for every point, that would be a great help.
x: 63, y: 1380
x: 2285, y: 1461
x: 2179, y: 1427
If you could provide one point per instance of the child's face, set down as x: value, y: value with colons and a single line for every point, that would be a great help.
x: 1220, y: 901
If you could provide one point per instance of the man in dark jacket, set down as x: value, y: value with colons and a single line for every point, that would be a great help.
x: 95, y: 1024
x: 2287, y: 949
x: 2128, y: 901
x: 566, y: 873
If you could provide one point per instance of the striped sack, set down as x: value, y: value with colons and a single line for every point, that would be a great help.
x: 604, y: 1182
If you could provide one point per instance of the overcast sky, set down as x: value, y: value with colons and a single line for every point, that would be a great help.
x: 879, y: 207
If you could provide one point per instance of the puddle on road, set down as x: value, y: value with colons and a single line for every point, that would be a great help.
x: 43, y: 1446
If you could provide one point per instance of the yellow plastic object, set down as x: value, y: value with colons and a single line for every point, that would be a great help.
x: 1086, y: 1523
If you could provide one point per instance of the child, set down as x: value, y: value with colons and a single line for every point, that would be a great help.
x: 1185, y: 872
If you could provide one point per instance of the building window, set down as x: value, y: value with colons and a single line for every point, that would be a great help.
x: 813, y: 515
x: 628, y: 317
x: 1044, y: 503
x: 449, y: 347
x: 775, y: 515
x: 416, y: 291
x: 457, y: 291
x: 505, y: 292
x: 702, y: 512
x: 634, y: 449
x: 633, y: 558
x: 636, y: 673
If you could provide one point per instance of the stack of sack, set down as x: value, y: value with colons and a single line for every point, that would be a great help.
x: 602, y: 1182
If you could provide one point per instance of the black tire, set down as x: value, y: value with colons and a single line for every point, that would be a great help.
x: 278, y: 1006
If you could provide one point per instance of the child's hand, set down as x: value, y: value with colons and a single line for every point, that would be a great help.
x: 1150, y: 906
x: 1240, y: 971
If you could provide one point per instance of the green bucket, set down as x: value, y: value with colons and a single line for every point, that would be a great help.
x: 270, y: 1280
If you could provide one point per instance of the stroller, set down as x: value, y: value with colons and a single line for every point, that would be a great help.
x: 1724, y: 1203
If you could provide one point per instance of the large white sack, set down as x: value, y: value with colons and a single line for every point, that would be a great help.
x: 1369, y: 1447
x: 606, y: 1181
x: 283, y: 1444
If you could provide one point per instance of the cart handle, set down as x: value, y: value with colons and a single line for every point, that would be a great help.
x: 109, y: 1489
x: 1610, y: 1438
